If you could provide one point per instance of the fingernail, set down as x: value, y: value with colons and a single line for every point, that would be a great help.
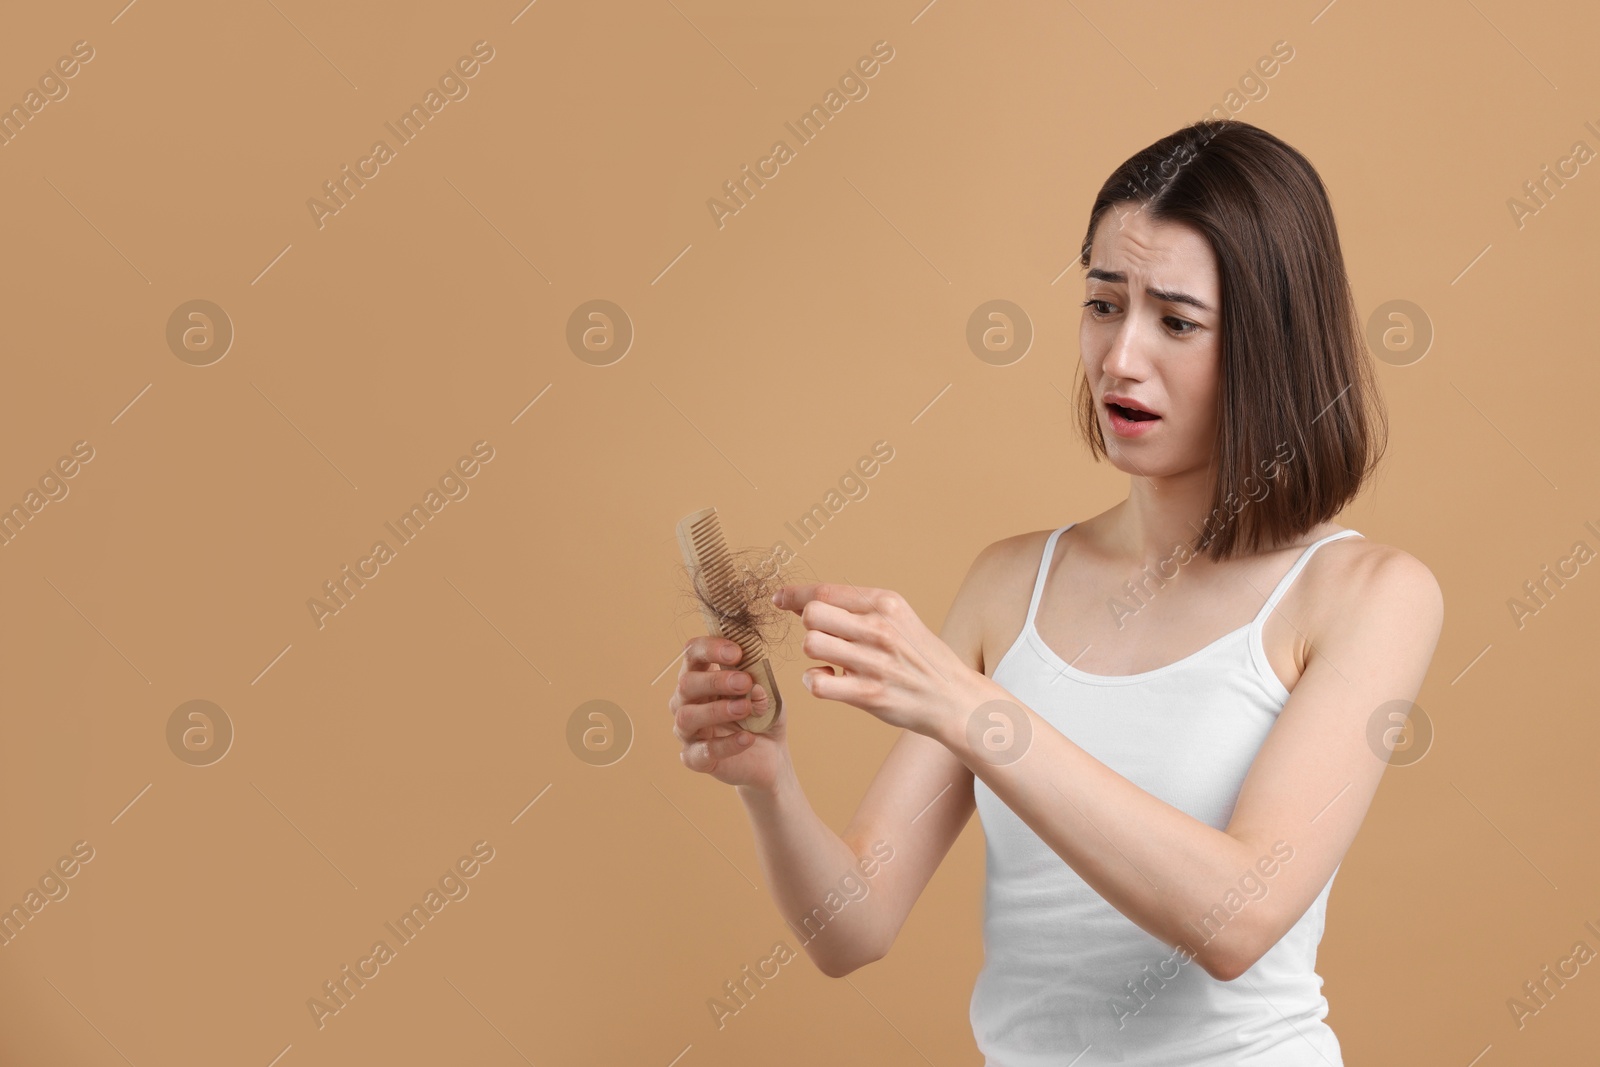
x: 745, y: 739
x: 756, y: 692
x: 777, y: 596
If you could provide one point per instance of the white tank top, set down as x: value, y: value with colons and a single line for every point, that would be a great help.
x: 1067, y: 978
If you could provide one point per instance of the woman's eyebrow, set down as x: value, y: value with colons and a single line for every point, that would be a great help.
x: 1172, y: 296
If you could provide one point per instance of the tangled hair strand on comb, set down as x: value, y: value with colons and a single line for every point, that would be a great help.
x: 747, y: 601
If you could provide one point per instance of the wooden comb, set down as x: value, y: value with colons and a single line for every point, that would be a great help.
x: 705, y: 553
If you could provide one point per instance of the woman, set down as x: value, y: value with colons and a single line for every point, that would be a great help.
x: 1162, y: 713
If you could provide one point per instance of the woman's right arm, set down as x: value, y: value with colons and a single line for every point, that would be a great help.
x: 912, y: 812
x: 916, y: 806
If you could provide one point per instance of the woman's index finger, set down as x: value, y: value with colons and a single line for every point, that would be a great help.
x: 849, y: 597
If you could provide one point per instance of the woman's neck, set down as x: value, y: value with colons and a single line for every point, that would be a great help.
x: 1158, y: 516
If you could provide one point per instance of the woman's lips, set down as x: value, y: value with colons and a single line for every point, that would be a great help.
x: 1125, y: 422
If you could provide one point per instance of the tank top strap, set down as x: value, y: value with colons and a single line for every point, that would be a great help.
x: 1044, y: 569
x: 1294, y: 572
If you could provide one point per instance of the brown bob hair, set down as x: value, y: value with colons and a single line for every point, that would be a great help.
x: 1300, y: 423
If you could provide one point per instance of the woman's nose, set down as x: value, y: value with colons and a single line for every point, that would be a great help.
x: 1122, y: 359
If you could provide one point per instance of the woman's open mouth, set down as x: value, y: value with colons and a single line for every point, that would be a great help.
x: 1132, y: 414
x: 1130, y: 422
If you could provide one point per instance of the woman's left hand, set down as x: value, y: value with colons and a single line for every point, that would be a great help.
x: 895, y: 668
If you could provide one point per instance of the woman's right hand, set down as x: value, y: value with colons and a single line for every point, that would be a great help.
x: 706, y: 707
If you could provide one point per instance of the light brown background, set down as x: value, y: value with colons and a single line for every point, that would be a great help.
x: 772, y: 354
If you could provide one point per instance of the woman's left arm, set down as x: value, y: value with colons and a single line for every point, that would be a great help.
x: 1307, y: 790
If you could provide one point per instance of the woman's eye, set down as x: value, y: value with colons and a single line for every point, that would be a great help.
x: 1181, y: 327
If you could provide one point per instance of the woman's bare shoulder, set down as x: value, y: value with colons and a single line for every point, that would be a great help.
x: 1361, y: 556
x: 1010, y: 561
x: 994, y: 597
x: 1010, y: 552
x: 1345, y: 573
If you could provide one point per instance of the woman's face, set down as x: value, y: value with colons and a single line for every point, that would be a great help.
x: 1151, y: 334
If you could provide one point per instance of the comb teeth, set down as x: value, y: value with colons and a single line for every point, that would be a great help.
x: 705, y: 552
x: 714, y: 565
